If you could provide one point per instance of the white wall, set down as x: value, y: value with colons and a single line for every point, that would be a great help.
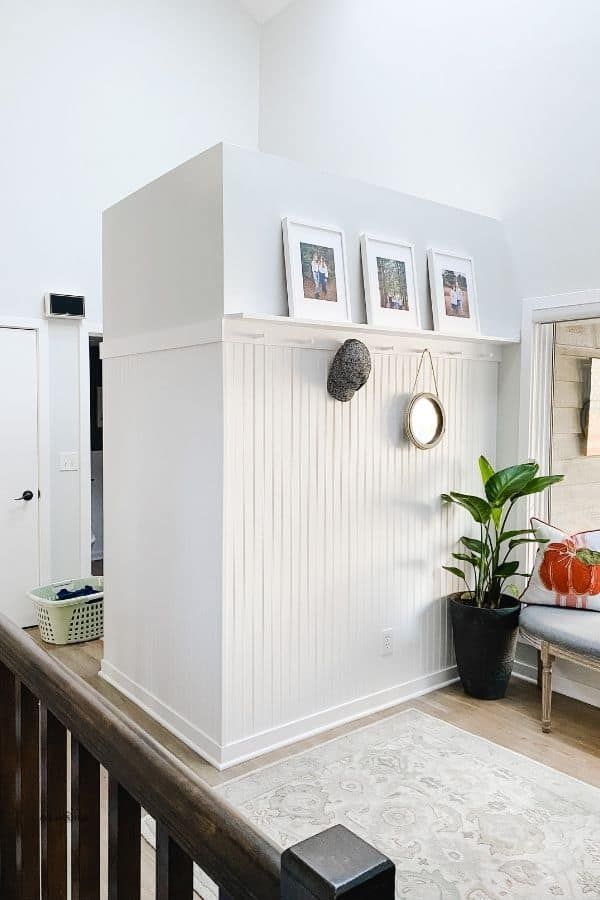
x: 96, y: 99
x: 259, y: 189
x: 486, y: 106
x: 273, y: 594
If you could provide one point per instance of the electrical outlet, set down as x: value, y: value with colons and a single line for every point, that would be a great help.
x: 387, y: 642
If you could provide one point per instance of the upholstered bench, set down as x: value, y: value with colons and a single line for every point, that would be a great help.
x: 556, y: 632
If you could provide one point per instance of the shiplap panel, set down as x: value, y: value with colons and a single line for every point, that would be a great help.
x: 566, y: 421
x: 579, y: 333
x: 568, y: 394
x: 334, y: 529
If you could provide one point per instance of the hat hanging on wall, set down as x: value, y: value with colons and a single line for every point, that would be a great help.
x: 425, y: 417
x: 349, y: 370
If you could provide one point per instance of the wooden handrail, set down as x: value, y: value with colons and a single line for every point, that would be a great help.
x: 203, y: 824
x: 40, y: 701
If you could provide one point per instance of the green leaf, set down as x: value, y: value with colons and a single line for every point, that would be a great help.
x: 519, y: 541
x: 505, y: 570
x: 508, y: 535
x: 496, y: 515
x: 540, y: 484
x: 473, y: 560
x: 454, y: 571
x: 509, y: 482
x: 478, y: 507
x: 485, y: 469
x: 475, y: 545
x: 588, y: 557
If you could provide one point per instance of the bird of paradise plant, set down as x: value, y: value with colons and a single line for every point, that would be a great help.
x: 489, y: 555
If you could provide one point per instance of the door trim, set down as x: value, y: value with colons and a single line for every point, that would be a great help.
x: 40, y: 326
x: 537, y: 356
x: 86, y: 331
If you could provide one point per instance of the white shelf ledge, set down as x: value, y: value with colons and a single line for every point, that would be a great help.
x: 370, y: 329
x: 282, y: 331
x: 279, y: 330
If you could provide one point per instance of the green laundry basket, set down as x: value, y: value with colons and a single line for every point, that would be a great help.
x: 70, y: 621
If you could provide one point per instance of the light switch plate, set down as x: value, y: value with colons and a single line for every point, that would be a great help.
x: 69, y: 462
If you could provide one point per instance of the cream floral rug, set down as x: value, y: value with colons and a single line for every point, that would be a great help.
x: 461, y: 817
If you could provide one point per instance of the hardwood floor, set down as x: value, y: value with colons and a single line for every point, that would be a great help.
x: 573, y: 747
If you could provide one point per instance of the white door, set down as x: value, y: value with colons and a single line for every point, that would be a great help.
x: 19, y: 527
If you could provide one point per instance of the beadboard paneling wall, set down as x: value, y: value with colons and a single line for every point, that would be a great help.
x: 334, y: 530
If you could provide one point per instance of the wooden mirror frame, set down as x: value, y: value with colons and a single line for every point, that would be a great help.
x: 435, y: 401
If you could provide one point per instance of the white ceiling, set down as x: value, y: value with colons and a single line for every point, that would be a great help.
x: 262, y: 10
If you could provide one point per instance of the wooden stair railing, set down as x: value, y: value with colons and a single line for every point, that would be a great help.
x: 41, y: 703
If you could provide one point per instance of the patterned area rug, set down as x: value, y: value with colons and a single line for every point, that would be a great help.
x: 460, y: 816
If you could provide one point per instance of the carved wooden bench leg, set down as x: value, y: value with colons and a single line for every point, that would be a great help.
x: 547, y: 660
x: 539, y: 669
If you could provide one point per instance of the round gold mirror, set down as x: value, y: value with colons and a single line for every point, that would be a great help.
x: 425, y: 421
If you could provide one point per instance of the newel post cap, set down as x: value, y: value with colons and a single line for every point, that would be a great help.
x: 336, y: 863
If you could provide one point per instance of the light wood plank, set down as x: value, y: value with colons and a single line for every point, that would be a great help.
x: 569, y: 368
x: 568, y: 394
x: 567, y: 446
x: 565, y: 421
x: 582, y: 470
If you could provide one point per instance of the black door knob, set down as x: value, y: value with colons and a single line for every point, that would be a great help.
x: 26, y: 495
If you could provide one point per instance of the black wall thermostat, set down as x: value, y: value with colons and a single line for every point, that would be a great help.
x: 66, y: 306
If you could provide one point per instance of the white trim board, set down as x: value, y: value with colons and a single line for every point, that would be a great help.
x: 302, y: 333
x: 231, y: 754
x: 86, y: 330
x: 535, y: 406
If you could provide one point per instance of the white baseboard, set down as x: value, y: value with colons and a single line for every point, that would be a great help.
x: 235, y: 752
x: 560, y: 685
x: 299, y: 729
x: 186, y: 731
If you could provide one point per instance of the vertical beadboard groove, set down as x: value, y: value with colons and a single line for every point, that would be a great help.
x: 334, y: 529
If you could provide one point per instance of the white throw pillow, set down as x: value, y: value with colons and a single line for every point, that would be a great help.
x: 560, y: 576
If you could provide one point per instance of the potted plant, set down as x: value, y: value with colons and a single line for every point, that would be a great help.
x: 485, y: 618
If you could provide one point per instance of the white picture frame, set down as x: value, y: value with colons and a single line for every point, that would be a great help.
x: 316, y: 271
x: 453, y: 292
x: 393, y: 262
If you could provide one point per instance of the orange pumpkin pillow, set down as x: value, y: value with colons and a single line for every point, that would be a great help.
x: 567, y: 569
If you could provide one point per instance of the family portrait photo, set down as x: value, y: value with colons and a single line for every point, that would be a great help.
x: 456, y: 295
x: 393, y: 289
x: 318, y: 272
x: 390, y: 279
x: 453, y: 292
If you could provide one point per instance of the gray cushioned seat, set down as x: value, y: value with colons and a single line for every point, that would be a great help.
x: 574, y: 629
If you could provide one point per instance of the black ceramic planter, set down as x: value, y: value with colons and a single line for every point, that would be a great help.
x: 485, y: 641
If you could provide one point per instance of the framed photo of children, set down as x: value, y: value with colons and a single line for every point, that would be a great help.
x: 453, y: 292
x: 316, y: 272
x: 390, y: 283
